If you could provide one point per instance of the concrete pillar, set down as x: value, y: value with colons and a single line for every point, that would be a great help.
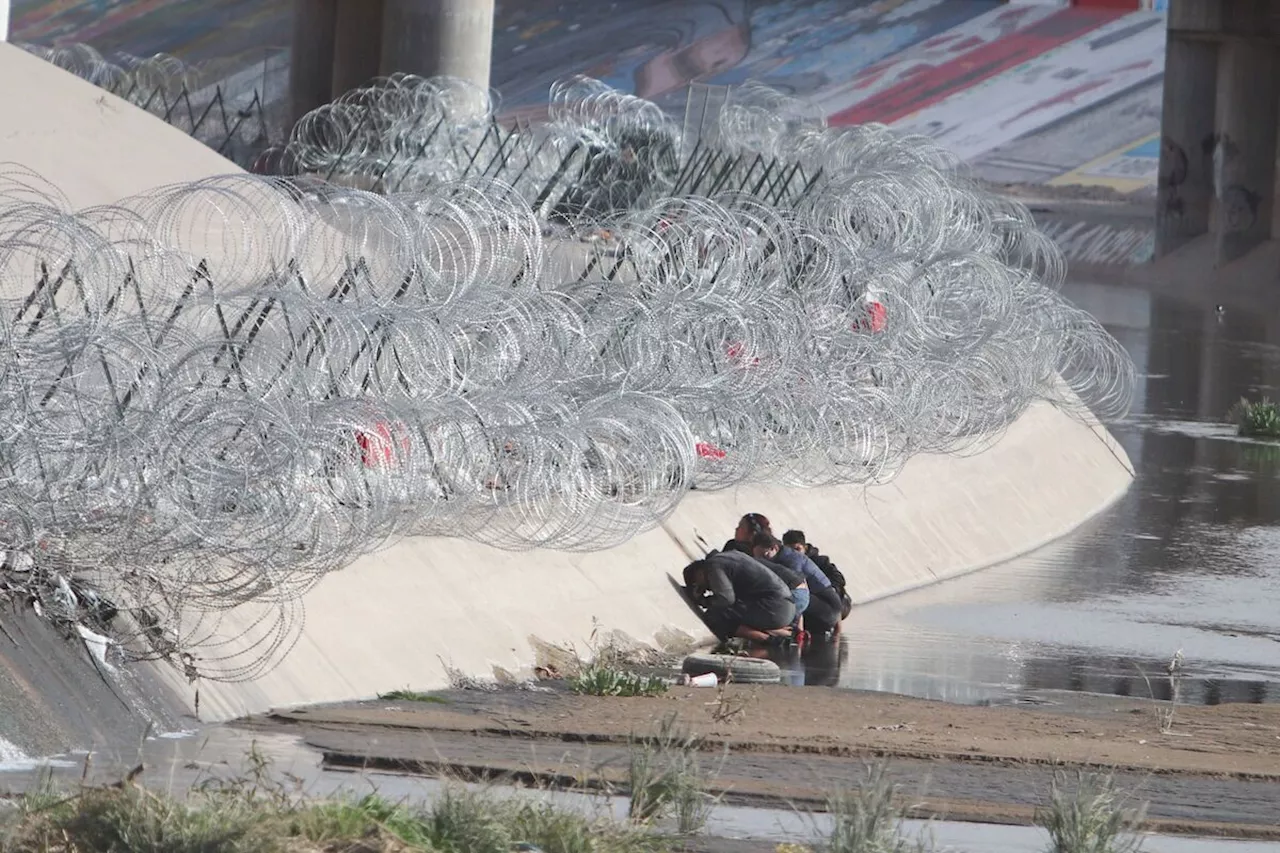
x: 4, y: 20
x: 438, y: 37
x: 1244, y: 159
x: 1185, y: 194
x: 357, y: 47
x: 311, y: 57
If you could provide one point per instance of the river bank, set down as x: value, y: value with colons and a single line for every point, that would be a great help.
x: 1211, y: 770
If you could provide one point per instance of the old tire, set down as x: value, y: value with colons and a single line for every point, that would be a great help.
x: 739, y: 670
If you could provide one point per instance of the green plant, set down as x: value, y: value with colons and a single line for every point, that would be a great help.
x: 1165, y: 713
x: 131, y: 818
x: 666, y: 777
x: 1259, y: 419
x: 1090, y: 816
x: 253, y: 812
x: 868, y: 819
x: 407, y: 695
x: 600, y: 680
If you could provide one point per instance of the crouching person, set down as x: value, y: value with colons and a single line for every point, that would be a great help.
x: 822, y: 614
x: 743, y: 598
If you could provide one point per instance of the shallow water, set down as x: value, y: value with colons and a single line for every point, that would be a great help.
x: 1188, y: 560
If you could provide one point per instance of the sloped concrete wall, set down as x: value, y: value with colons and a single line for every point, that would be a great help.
x: 398, y: 617
x: 94, y: 147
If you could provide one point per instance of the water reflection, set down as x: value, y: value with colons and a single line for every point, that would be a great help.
x: 1188, y: 560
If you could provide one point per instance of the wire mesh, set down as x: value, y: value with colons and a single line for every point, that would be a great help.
x: 215, y: 394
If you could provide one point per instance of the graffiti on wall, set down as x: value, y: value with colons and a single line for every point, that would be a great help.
x: 194, y: 30
x: 1110, y: 59
x: 656, y: 49
x: 965, y: 56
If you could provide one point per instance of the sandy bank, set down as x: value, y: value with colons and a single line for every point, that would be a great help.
x: 1217, y: 771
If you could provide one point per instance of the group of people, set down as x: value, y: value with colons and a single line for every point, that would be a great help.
x: 769, y: 590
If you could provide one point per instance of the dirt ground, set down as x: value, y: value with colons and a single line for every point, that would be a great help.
x: 1216, y: 770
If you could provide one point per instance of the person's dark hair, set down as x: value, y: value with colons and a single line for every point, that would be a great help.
x: 794, y: 537
x: 692, y: 569
x: 763, y: 540
x: 756, y: 523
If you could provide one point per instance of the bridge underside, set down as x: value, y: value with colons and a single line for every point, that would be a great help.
x: 1216, y: 214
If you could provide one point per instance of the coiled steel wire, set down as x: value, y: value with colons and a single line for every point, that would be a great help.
x: 214, y: 394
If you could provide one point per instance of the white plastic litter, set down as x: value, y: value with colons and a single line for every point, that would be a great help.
x: 97, y: 645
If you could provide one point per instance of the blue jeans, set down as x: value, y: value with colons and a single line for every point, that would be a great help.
x: 800, y: 595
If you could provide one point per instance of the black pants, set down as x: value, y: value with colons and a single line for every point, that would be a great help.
x: 824, y: 611
x: 763, y: 614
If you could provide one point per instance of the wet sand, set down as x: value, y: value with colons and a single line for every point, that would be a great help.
x: 1216, y: 772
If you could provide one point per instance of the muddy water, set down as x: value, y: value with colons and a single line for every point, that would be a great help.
x: 1188, y: 561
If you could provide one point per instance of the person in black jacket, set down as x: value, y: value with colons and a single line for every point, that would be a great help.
x: 741, y: 596
x: 795, y: 540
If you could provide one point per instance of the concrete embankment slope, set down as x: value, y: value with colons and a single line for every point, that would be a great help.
x: 95, y: 149
x: 400, y: 616
x: 93, y: 146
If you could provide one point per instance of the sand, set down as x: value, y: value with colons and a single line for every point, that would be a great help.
x: 1215, y: 770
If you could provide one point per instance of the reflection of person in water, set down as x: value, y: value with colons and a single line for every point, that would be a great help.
x: 823, y: 662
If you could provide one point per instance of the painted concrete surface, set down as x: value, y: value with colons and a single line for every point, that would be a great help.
x: 980, y: 75
x: 400, y: 616
x: 1126, y: 169
x: 1057, y: 152
x: 1104, y: 243
x: 1120, y: 54
x: 241, y: 31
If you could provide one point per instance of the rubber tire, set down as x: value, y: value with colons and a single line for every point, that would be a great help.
x: 739, y: 670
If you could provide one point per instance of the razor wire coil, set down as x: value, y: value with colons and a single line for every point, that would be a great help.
x: 214, y: 394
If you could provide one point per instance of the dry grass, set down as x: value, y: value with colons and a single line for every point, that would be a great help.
x: 1089, y: 815
x: 667, y: 778
x: 253, y: 813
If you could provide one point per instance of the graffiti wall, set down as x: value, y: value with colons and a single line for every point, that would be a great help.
x: 655, y: 49
x: 196, y: 30
x: 974, y: 74
x: 1107, y: 59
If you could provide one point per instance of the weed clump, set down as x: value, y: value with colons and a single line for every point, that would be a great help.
x: 667, y: 778
x: 597, y: 679
x: 868, y: 819
x: 246, y: 816
x: 1259, y: 419
x: 1090, y: 816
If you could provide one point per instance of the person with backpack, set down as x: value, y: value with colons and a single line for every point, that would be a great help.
x: 822, y: 613
x: 796, y: 541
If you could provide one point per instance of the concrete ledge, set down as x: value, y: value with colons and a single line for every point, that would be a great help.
x: 397, y: 617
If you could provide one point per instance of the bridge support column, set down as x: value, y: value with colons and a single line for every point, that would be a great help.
x: 357, y: 50
x: 1244, y: 159
x: 311, y: 60
x: 1185, y: 194
x: 439, y: 37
